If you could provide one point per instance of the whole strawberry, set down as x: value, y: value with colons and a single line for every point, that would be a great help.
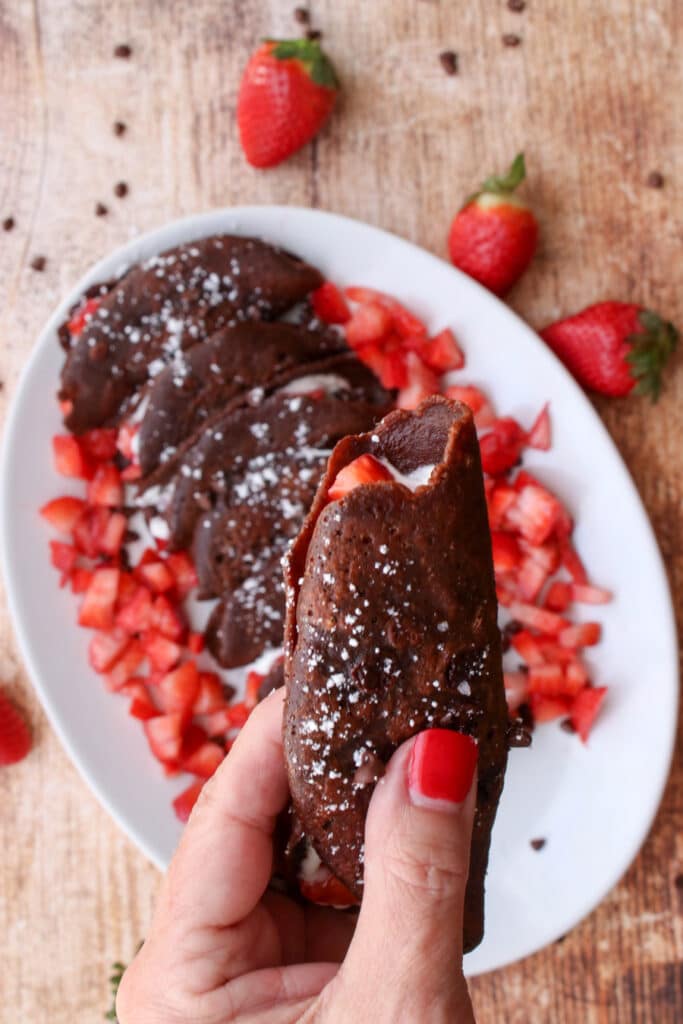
x: 287, y: 92
x: 614, y: 347
x: 493, y: 237
x: 15, y: 739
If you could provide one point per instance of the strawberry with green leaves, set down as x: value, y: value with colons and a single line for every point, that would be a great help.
x: 287, y: 92
x: 614, y: 348
x: 493, y: 237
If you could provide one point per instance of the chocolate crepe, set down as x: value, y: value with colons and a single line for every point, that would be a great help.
x: 392, y: 629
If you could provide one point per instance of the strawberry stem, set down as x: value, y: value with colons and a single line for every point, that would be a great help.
x: 650, y: 352
x: 307, y: 52
x: 508, y: 182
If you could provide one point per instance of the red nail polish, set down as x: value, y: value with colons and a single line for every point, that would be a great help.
x: 441, y: 767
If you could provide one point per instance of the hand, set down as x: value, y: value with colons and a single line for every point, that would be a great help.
x: 223, y: 947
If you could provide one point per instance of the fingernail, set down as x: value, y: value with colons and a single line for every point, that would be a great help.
x: 441, y: 768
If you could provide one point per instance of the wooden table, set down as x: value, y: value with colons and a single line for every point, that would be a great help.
x: 592, y: 93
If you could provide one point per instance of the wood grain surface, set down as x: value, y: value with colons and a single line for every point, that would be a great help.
x: 592, y: 93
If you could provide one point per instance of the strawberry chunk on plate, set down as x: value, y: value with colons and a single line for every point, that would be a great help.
x: 165, y: 736
x: 178, y: 690
x: 163, y: 654
x: 329, y: 305
x: 422, y: 382
x: 185, y: 801
x: 366, y: 469
x: 106, y: 488
x: 546, y: 709
x: 585, y: 709
x: 442, y: 352
x: 106, y: 648
x: 97, y: 610
x: 535, y: 513
x: 204, y: 761
x: 63, y: 513
x: 540, y: 435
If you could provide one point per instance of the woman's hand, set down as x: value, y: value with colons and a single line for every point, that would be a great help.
x: 222, y: 947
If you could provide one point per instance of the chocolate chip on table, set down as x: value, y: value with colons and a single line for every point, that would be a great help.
x: 8, y: 224
x: 313, y: 33
x: 567, y: 725
x: 449, y: 62
x: 123, y: 50
x: 301, y: 15
x: 119, y: 128
x: 510, y: 39
x: 38, y: 263
x: 537, y: 844
x: 120, y: 189
x: 655, y: 180
x: 101, y: 210
x: 516, y: 5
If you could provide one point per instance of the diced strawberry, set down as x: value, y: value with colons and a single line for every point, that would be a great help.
x: 443, y: 352
x: 136, y: 614
x: 80, y: 580
x: 482, y: 409
x: 329, y: 304
x: 502, y: 447
x: 65, y: 407
x: 126, y: 667
x: 178, y: 690
x: 546, y: 555
x: 195, y: 643
x: 238, y: 715
x: 99, y: 444
x: 505, y: 593
x: 128, y: 587
x: 184, y: 573
x: 204, y: 761
x: 63, y: 557
x: 63, y: 513
x: 253, y: 685
x: 516, y: 689
x: 89, y: 529
x: 185, y: 801
x: 587, y: 594
x: 132, y: 472
x: 585, y: 708
x: 535, y: 513
x: 527, y: 647
x: 506, y: 553
x: 545, y: 709
x: 576, y: 675
x: 538, y: 618
x: 163, y: 654
x: 210, y: 696
x: 97, y: 610
x: 368, y: 325
x: 573, y: 564
x: 548, y: 680
x: 531, y: 578
x: 327, y: 892
x: 586, y: 634
x: 499, y: 501
x: 69, y: 457
x: 389, y: 367
x: 81, y: 316
x: 559, y: 596
x: 141, y: 706
x: 105, y: 488
x: 216, y: 723
x: 422, y: 382
x: 366, y: 469
x: 554, y: 652
x: 106, y: 648
x: 167, y: 619
x: 156, y: 575
x: 124, y: 440
x: 165, y: 735
x: 539, y: 436
x: 111, y: 537
x: 406, y: 323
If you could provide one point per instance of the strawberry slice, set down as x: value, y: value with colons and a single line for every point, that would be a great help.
x: 585, y: 708
x: 329, y: 305
x: 545, y: 709
x: 422, y: 382
x: 535, y: 513
x: 538, y: 618
x: 482, y: 410
x: 163, y: 654
x: 369, y: 325
x: 548, y: 680
x: 63, y: 557
x: 559, y: 596
x: 531, y: 579
x: 516, y: 689
x: 253, y: 685
x: 586, y: 594
x: 112, y: 534
x: 237, y: 715
x: 156, y: 575
x: 327, y: 892
x: 195, y: 643
x: 141, y: 706
x: 502, y: 447
x: 216, y: 723
x: 586, y: 634
x: 97, y: 610
x: 167, y: 619
x: 135, y: 615
x: 69, y: 458
x: 366, y: 469
x: 442, y: 353
x: 63, y: 513
x: 184, y: 573
x: 506, y: 553
x: 106, y: 488
x: 405, y: 322
x: 82, y: 315
x: 89, y: 529
x: 573, y: 564
x: 388, y: 365
x: 178, y: 690
x: 204, y: 761
x: 125, y: 668
x: 527, y: 647
x: 165, y: 736
x: 540, y: 435
x: 99, y: 444
x: 80, y: 580
x: 185, y: 801
x: 106, y: 648
x: 15, y: 738
x: 125, y: 439
x: 210, y: 695
x: 500, y: 499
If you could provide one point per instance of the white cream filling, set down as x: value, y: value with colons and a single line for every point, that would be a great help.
x: 416, y: 478
x: 310, y: 865
x: 327, y: 382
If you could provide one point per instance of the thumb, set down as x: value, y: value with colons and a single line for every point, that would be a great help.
x: 417, y: 847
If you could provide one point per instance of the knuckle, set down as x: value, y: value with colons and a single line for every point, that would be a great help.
x: 429, y: 870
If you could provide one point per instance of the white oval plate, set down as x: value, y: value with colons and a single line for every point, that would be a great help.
x: 593, y: 804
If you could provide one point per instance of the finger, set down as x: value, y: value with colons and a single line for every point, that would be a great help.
x: 310, y: 934
x: 417, y: 843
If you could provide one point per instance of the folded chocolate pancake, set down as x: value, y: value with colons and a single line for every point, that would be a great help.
x: 162, y: 307
x: 216, y: 372
x: 391, y: 629
x: 241, y: 492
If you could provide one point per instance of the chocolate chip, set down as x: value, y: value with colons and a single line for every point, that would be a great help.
x: 8, y: 224
x: 567, y: 725
x: 449, y: 62
x: 123, y: 50
x: 537, y: 844
x: 510, y: 39
x: 101, y: 210
x: 120, y: 189
x: 655, y: 180
x: 38, y: 263
x: 516, y: 5
x: 130, y: 536
x: 313, y: 33
x: 301, y: 15
x: 119, y: 128
x: 518, y: 734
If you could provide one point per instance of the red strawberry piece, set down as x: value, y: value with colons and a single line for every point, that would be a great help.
x: 163, y: 654
x: 99, y: 444
x: 586, y: 594
x: 553, y: 652
x: 178, y: 690
x: 559, y: 596
x: 106, y: 648
x: 531, y: 578
x: 545, y: 709
x: 369, y: 325
x: 516, y: 689
x: 500, y: 500
x: 329, y: 305
x: 128, y: 586
x: 443, y: 353
x: 105, y: 488
x: 253, y: 685
x: 535, y: 513
x: 238, y: 715
x: 493, y: 237
x: 527, y: 647
x: 82, y: 315
x: 573, y: 564
x: 165, y: 735
x: 210, y: 695
x: 167, y: 619
x: 141, y: 706
x: 540, y: 434
x: 576, y: 675
x: 125, y: 668
x: 125, y: 440
x: 217, y: 723
x: 406, y: 323
x: 547, y: 555
x: 506, y: 553
x: 156, y: 575
x: 484, y: 416
x: 204, y: 761
x: 97, y: 610
x: 366, y: 469
x: 502, y: 447
x: 587, y: 634
x: 422, y: 382
x: 195, y: 643
x: 185, y: 801
x: 64, y: 558
x: 327, y: 892
x: 286, y: 94
x: 614, y: 348
x: 538, y: 618
x: 88, y: 530
x: 69, y: 457
x: 63, y: 513
x: 548, y: 680
x: 135, y: 615
x: 184, y: 573
x: 113, y: 532
x: 80, y: 580
x: 15, y: 738
x: 585, y: 708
